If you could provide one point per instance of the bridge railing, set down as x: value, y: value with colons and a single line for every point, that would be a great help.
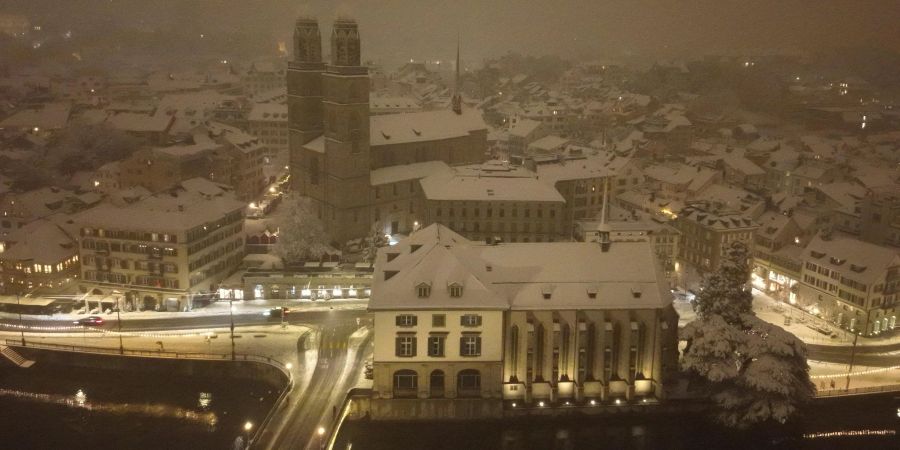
x: 151, y: 353
x: 858, y: 391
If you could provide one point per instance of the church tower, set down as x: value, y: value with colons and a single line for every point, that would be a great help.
x: 304, y: 99
x: 345, y: 210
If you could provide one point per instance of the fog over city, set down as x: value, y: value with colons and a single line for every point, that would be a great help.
x: 421, y: 224
x: 399, y: 29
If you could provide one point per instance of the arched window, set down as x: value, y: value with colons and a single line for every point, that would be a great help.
x: 436, y: 384
x: 406, y: 382
x: 468, y: 383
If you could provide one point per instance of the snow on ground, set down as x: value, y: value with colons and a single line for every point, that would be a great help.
x: 804, y: 325
x: 822, y: 373
x: 265, y: 340
x: 214, y: 309
x: 801, y: 324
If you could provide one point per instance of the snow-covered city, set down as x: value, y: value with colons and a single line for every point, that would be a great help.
x: 230, y: 224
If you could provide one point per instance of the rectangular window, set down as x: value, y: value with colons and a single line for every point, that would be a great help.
x: 470, y: 320
x: 406, y: 320
x: 470, y: 345
x: 423, y: 290
x: 456, y: 290
x: 436, y: 345
x: 406, y: 345
x: 438, y: 320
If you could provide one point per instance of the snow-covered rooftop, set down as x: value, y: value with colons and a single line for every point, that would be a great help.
x: 852, y: 258
x: 415, y: 171
x: 526, y: 276
x: 485, y: 188
x: 193, y: 203
x: 423, y: 126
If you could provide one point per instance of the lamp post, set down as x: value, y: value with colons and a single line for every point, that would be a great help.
x: 852, y: 357
x: 231, y: 316
x: 247, y: 427
x: 119, y: 322
x: 321, y: 433
x: 21, y: 325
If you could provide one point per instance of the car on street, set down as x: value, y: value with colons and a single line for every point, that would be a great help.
x: 92, y: 321
x: 276, y: 313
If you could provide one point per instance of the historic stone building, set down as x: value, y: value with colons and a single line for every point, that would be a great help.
x: 469, y: 329
x: 335, y: 144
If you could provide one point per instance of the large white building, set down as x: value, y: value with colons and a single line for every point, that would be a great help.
x: 852, y: 283
x: 466, y: 329
x: 162, y: 251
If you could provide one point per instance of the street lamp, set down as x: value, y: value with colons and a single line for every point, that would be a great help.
x: 852, y: 357
x: 231, y: 316
x: 119, y: 322
x: 247, y: 427
x: 21, y: 325
x: 321, y: 433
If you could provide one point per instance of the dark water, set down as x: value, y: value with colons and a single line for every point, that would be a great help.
x: 663, y: 431
x: 124, y: 410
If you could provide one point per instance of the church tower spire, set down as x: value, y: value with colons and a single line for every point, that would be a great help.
x: 304, y: 103
x: 456, y: 101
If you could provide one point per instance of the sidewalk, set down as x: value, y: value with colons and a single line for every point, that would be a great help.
x: 802, y: 323
x: 823, y: 373
x: 219, y: 308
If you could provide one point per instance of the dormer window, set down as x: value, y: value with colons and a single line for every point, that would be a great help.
x: 392, y: 256
x: 423, y: 290
x: 592, y: 292
x: 547, y: 292
x: 456, y: 290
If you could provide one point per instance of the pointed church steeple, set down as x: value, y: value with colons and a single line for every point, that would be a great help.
x: 456, y: 100
x: 604, y: 229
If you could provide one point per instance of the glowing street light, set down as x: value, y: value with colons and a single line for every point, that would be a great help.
x: 247, y: 427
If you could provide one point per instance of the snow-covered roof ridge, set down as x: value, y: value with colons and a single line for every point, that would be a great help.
x: 561, y: 275
x: 423, y: 126
x: 858, y: 260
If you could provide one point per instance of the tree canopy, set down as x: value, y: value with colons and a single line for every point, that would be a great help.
x: 755, y: 371
x: 301, y: 235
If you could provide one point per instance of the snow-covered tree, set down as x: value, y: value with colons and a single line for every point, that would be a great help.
x: 725, y: 291
x: 374, y: 241
x: 301, y: 235
x: 755, y: 371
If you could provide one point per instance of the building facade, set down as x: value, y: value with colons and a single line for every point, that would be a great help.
x: 466, y: 329
x: 707, y: 230
x: 335, y: 144
x: 164, y: 250
x: 852, y: 283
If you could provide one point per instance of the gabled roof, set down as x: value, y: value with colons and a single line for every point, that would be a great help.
x: 423, y: 126
x: 414, y: 171
x: 527, y: 276
x: 524, y: 127
x: 39, y: 242
x: 858, y: 260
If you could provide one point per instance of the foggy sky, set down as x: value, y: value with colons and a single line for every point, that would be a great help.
x: 403, y: 29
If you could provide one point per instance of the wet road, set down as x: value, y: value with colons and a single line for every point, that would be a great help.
x: 337, y: 370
